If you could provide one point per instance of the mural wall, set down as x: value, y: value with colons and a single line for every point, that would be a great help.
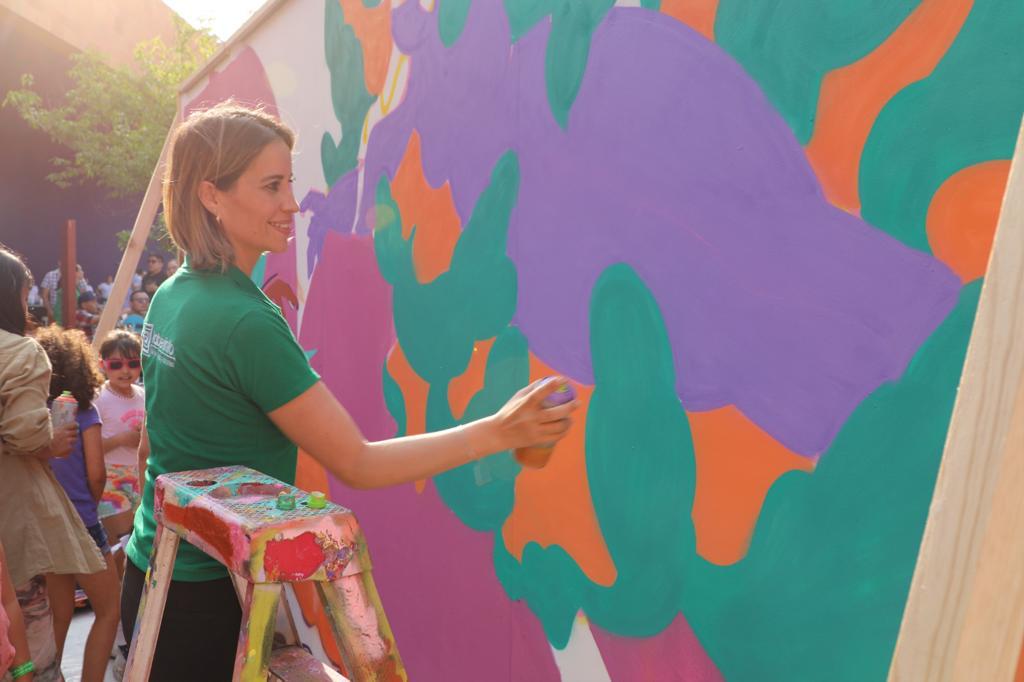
x: 753, y: 233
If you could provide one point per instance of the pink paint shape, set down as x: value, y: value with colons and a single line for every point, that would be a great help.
x: 451, y: 617
x: 243, y: 80
x: 348, y: 321
x: 672, y: 654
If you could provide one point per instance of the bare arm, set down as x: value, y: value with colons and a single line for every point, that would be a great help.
x: 60, y: 445
x: 92, y: 451
x: 317, y: 423
x: 143, y: 456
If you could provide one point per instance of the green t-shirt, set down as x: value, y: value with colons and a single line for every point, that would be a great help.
x: 217, y: 356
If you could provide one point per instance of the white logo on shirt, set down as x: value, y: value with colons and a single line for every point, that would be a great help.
x: 154, y: 345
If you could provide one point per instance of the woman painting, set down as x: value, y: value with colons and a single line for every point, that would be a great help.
x: 226, y: 382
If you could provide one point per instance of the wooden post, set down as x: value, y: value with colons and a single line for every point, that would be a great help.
x: 69, y: 277
x: 136, y: 243
x: 964, y: 618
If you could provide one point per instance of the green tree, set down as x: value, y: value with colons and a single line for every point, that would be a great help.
x: 113, y: 120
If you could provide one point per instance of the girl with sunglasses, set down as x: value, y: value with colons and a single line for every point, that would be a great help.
x: 122, y: 405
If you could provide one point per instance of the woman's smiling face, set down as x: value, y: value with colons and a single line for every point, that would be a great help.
x: 258, y: 212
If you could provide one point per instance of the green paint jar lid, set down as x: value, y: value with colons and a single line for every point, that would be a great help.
x: 285, y: 501
x: 317, y: 500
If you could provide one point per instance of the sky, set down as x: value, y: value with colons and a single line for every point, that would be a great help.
x: 223, y: 17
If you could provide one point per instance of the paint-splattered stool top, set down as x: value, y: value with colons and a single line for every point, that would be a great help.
x: 232, y: 514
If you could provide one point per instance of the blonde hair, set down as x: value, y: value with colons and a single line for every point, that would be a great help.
x: 217, y: 144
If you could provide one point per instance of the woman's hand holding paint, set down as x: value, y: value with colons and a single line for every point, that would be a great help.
x: 60, y: 445
x: 525, y: 420
x: 317, y: 423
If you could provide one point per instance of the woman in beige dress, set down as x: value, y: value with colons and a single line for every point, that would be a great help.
x: 39, y: 528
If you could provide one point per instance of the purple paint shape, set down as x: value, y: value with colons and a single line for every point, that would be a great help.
x: 333, y: 212
x: 451, y: 618
x: 348, y: 320
x: 675, y: 163
x: 243, y: 80
x: 672, y: 654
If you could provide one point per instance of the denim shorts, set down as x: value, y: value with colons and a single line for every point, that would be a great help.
x: 99, y: 536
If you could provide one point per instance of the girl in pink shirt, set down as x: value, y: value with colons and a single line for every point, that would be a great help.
x: 122, y: 406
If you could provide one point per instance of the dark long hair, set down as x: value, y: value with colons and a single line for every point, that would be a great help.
x: 14, y: 277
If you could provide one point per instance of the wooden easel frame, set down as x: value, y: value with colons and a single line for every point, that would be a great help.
x: 964, y: 618
x: 136, y: 242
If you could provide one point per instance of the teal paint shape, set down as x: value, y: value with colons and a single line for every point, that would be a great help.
x: 788, y: 46
x: 438, y: 322
x: 640, y: 467
x: 651, y: 4
x: 828, y: 571
x: 573, y: 23
x: 259, y: 271
x: 349, y: 96
x: 826, y: 578
x: 482, y: 493
x: 451, y: 19
x: 967, y: 112
x: 394, y: 401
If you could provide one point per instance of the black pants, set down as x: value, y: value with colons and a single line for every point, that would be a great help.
x: 199, y: 632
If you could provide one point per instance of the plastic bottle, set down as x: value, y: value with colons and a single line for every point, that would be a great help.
x: 63, y: 410
x: 536, y: 456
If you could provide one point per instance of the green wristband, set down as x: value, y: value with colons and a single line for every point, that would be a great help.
x: 23, y: 669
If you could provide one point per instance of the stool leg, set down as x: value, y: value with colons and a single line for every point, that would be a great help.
x: 259, y: 616
x: 361, y: 629
x: 151, y: 606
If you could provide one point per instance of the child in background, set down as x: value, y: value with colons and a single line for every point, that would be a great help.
x: 14, y: 653
x: 88, y: 314
x: 122, y: 406
x: 137, y: 313
x: 83, y: 477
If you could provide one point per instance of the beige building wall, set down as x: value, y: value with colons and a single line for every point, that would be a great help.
x: 112, y: 27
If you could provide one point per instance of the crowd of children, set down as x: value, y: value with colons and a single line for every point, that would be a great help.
x: 46, y: 300
x: 97, y: 470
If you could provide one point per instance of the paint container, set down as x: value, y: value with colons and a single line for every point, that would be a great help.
x: 317, y: 500
x: 285, y: 501
x: 63, y: 410
x: 536, y: 456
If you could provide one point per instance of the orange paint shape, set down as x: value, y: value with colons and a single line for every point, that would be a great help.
x: 553, y: 505
x: 372, y: 27
x: 697, y: 14
x: 462, y: 388
x: 431, y: 210
x: 314, y: 615
x: 852, y: 96
x: 414, y: 393
x: 963, y: 214
x: 737, y: 463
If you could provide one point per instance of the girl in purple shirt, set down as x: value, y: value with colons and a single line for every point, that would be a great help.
x: 83, y: 475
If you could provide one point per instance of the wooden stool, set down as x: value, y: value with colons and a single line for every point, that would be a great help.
x: 232, y: 514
